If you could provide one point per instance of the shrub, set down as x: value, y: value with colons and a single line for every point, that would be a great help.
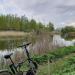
x: 52, y: 56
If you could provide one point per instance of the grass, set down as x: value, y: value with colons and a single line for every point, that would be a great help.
x: 63, y: 62
x: 64, y: 66
x: 54, y: 55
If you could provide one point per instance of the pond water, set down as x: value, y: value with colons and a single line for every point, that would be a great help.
x: 59, y: 41
x: 6, y: 46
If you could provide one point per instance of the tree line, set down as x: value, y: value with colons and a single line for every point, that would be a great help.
x: 67, y: 30
x: 13, y: 22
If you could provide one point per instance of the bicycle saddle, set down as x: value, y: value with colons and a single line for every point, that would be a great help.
x: 8, y: 56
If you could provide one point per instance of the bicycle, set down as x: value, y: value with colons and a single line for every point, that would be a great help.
x: 33, y: 65
x: 15, y: 68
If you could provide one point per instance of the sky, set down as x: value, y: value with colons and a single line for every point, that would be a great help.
x: 59, y: 12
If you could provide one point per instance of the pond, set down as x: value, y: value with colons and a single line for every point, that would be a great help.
x: 10, y: 46
x: 9, y: 43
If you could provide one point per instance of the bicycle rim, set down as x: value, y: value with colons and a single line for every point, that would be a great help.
x: 5, y: 73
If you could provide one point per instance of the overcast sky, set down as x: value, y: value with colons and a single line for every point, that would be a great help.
x: 59, y: 12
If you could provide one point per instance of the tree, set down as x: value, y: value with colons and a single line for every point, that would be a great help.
x: 67, y: 29
x: 33, y: 25
x: 50, y: 27
x: 13, y: 22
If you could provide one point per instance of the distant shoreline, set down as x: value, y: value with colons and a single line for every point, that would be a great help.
x: 12, y: 33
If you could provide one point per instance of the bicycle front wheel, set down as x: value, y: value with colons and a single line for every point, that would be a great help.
x: 5, y: 73
x: 30, y: 72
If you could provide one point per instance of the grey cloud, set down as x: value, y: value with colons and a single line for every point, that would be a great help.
x: 64, y: 9
x: 37, y: 5
x: 66, y: 12
x: 56, y: 11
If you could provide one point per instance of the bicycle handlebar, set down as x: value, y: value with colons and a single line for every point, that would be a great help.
x: 25, y: 45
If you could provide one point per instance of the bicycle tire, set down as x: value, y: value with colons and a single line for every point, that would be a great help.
x: 30, y: 72
x: 19, y: 73
x: 5, y: 72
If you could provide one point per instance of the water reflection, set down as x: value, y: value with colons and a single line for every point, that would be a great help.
x: 10, y: 43
x: 59, y: 41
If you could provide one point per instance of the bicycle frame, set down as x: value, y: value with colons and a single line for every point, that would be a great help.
x: 33, y: 65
